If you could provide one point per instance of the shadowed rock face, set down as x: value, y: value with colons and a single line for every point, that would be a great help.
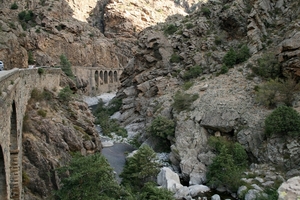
x: 49, y: 140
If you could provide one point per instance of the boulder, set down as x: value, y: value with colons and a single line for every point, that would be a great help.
x: 168, y: 179
x: 290, y: 189
x: 198, y: 189
x: 216, y: 197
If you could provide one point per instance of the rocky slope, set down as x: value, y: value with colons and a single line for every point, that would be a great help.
x: 75, y: 29
x: 132, y: 34
x: 226, y: 105
x: 52, y: 131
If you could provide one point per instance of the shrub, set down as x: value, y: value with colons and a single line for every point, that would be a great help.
x: 14, y: 6
x: 224, y: 69
x: 151, y: 192
x: 239, y: 154
x: 183, y: 101
x: 142, y: 167
x: 236, y: 56
x: 65, y: 65
x: 267, y: 67
x: 283, y: 121
x: 175, y: 58
x: 189, y: 25
x: 170, y: 29
x: 277, y: 91
x: 224, y: 172
x: 30, y: 58
x: 218, y: 40
x: 230, y: 58
x: 187, y: 85
x: 103, y: 114
x: 243, y: 54
x: 29, y: 16
x: 287, y: 89
x: 268, y: 93
x: 114, y: 105
x: 42, y: 112
x: 162, y: 127
x: 22, y: 14
x: 205, y: 11
x: 193, y: 72
x: 36, y: 94
x: 65, y: 95
x: 47, y: 95
x: 41, y: 71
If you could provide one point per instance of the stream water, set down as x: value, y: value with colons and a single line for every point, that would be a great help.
x: 116, y: 153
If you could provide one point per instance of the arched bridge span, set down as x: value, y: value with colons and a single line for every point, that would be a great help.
x: 98, y: 80
x: 15, y: 91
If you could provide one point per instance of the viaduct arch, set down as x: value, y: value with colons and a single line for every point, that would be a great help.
x: 15, y: 91
x: 99, y: 79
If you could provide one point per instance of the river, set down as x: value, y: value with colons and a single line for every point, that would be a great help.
x: 116, y: 152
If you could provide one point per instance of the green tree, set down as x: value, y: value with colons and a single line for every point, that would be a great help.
x: 239, y: 155
x: 170, y: 29
x: 65, y: 65
x: 243, y: 54
x: 162, y: 127
x: 223, y: 171
x: 151, y: 192
x: 142, y: 167
x: 88, y: 177
x: 283, y: 121
x: 230, y: 58
x: 193, y: 72
x: 14, y: 6
x: 30, y: 58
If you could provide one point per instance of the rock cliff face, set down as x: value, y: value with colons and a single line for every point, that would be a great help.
x: 54, y: 28
x: 155, y: 55
x: 226, y: 105
x: 52, y: 132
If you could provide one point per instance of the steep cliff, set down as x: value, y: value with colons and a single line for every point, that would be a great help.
x: 226, y: 105
x: 158, y: 43
x: 53, y: 130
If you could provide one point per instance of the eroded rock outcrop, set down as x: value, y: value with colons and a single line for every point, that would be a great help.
x: 52, y: 132
x: 226, y: 106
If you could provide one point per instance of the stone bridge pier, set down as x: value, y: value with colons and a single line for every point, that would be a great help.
x: 15, y: 91
x: 99, y: 79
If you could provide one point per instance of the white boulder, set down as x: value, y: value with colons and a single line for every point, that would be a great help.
x: 169, y: 180
x: 197, y: 189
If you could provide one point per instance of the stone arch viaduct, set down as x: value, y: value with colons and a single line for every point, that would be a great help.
x: 15, y: 90
x: 98, y: 79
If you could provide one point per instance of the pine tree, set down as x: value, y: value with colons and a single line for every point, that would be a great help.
x: 89, y: 177
x: 140, y: 168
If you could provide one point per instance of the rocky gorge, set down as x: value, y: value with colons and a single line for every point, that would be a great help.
x: 157, y: 43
